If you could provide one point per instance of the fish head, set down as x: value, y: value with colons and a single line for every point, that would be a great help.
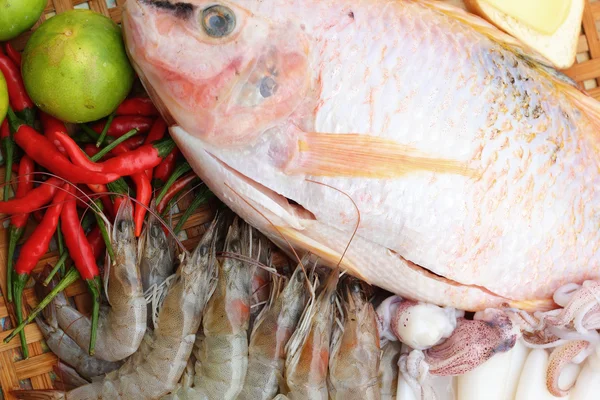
x: 227, y: 76
x: 222, y: 71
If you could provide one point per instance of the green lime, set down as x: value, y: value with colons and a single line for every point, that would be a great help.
x: 75, y: 66
x: 17, y: 16
x: 3, y: 98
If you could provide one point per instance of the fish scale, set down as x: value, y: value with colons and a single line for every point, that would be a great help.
x: 474, y: 167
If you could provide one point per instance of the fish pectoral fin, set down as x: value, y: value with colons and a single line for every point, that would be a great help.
x: 356, y: 155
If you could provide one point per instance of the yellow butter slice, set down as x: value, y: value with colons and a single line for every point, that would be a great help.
x: 545, y: 16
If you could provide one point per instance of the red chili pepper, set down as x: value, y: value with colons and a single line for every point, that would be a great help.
x: 4, y: 129
x: 33, y: 200
x: 83, y: 257
x: 137, y: 106
x: 31, y: 252
x: 122, y: 125
x: 24, y: 186
x: 18, y: 221
x: 75, y: 153
x: 75, y: 240
x: 166, y: 167
x: 13, y: 54
x: 178, y: 186
x: 117, y: 203
x: 108, y: 207
x: 90, y: 150
x: 138, y: 160
x: 52, y: 127
x: 96, y: 188
x: 143, y: 190
x: 156, y: 133
x: 128, y: 145
x: 37, y: 244
x: 17, y: 94
x: 42, y: 151
x: 38, y: 215
x: 96, y: 241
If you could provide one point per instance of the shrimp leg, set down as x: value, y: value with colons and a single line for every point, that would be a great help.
x: 354, y: 361
x: 273, y: 328
x: 121, y: 327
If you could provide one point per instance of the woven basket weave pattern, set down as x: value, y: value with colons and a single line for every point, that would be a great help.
x: 36, y: 372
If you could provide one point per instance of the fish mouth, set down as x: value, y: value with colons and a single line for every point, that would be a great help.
x: 286, y: 210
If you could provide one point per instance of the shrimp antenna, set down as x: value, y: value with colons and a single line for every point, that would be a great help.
x: 249, y: 260
x: 276, y: 230
x: 357, y: 215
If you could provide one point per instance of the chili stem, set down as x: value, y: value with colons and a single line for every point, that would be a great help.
x: 60, y: 240
x: 90, y: 132
x: 202, y: 198
x: 9, y: 149
x: 59, y: 265
x: 14, y: 237
x: 94, y: 285
x: 179, y: 171
x: 20, y: 282
x: 27, y: 115
x: 114, y: 144
x: 103, y: 230
x: 105, y: 130
x: 71, y: 276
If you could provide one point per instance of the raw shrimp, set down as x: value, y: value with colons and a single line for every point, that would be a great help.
x: 156, y: 262
x: 223, y: 355
x: 121, y: 326
x: 157, y: 366
x: 274, y: 327
x: 388, y: 370
x: 307, y: 356
x: 355, y: 350
x: 62, y: 345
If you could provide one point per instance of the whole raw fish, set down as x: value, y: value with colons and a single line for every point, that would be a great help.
x: 474, y: 166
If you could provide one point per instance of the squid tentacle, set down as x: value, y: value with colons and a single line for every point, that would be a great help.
x: 560, y: 357
x: 415, y: 371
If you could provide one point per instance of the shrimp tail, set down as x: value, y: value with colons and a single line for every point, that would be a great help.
x: 39, y: 394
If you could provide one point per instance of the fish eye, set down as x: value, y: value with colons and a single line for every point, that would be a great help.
x: 218, y: 21
x: 268, y: 87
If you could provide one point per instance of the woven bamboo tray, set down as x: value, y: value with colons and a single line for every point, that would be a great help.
x: 36, y: 372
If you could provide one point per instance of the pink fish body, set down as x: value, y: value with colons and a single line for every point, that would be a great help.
x: 474, y: 168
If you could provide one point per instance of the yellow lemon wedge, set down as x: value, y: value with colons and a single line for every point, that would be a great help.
x: 545, y: 16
